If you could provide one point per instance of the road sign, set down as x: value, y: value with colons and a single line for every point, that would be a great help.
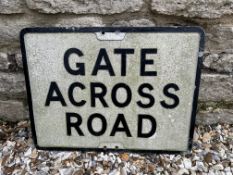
x: 112, y: 88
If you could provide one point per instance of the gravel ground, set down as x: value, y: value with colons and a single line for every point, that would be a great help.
x: 212, y: 153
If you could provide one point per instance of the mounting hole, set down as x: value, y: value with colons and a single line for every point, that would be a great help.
x: 102, y: 33
x: 116, y: 147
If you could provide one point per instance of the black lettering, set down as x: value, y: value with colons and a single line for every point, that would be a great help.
x: 123, y: 53
x: 90, y: 127
x: 114, y: 95
x: 145, y: 62
x: 80, y: 66
x: 141, y: 117
x: 116, y: 128
x: 58, y: 97
x: 146, y: 95
x: 103, y: 56
x: 170, y: 95
x: 99, y: 95
x: 71, y: 94
x: 75, y: 125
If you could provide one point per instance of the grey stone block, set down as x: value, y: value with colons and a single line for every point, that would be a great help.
x: 222, y: 62
x: 12, y: 86
x: 216, y: 116
x: 219, y: 38
x: 10, y: 62
x: 196, y: 8
x: 216, y: 87
x: 12, y: 6
x: 11, y: 110
x: 85, y: 7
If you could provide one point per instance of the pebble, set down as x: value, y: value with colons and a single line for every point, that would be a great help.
x: 115, y: 172
x: 123, y: 171
x: 227, y: 169
x: 40, y: 173
x: 187, y: 163
x: 66, y: 171
x: 118, y: 159
x: 183, y: 171
x: 218, y: 167
x: 200, y: 166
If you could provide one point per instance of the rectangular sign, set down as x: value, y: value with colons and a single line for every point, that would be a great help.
x: 113, y: 88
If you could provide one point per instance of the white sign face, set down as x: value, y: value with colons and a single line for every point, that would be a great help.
x: 134, y: 89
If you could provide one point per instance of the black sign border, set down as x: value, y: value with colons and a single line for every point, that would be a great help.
x: 114, y: 29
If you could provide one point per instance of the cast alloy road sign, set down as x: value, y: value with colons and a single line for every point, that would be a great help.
x: 113, y: 88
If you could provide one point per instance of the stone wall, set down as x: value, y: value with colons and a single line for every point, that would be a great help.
x: 215, y: 17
